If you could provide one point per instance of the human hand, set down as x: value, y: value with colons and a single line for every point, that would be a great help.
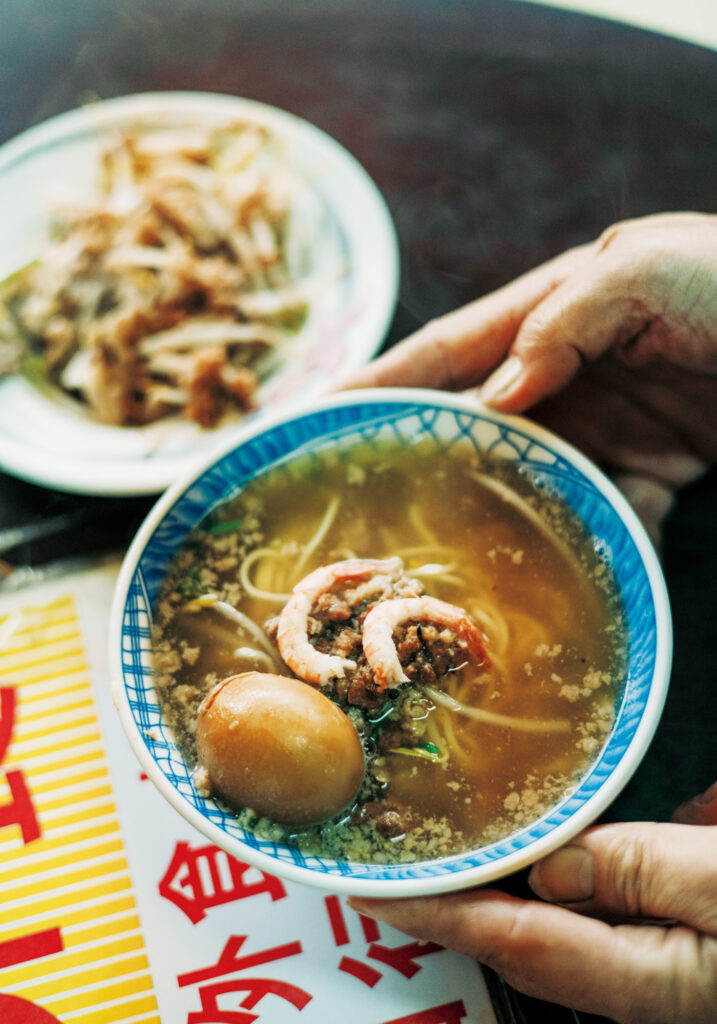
x: 605, y: 947
x: 613, y: 345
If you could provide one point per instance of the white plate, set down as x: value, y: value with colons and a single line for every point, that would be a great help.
x: 44, y: 438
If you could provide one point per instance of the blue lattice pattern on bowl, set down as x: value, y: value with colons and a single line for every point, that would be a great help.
x: 415, y: 416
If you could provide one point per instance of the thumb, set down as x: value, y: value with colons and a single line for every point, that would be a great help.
x: 643, y: 870
x: 700, y: 810
x: 577, y: 323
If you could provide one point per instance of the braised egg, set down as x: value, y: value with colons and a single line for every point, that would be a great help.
x: 279, y: 747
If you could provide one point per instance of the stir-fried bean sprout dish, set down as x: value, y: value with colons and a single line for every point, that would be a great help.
x: 176, y: 289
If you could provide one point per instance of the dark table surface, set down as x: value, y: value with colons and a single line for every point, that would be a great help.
x: 500, y: 133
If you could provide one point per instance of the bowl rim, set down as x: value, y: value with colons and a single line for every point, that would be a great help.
x: 585, y: 815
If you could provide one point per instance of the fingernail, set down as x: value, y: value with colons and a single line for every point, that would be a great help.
x: 566, y: 876
x: 501, y: 382
x: 708, y: 796
x: 357, y: 904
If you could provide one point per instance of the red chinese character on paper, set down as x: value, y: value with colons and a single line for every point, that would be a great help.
x: 206, y: 876
x: 7, y: 718
x: 256, y: 988
x: 20, y: 810
x: 30, y: 947
x: 401, y: 958
x: 448, y: 1013
x: 15, y: 1010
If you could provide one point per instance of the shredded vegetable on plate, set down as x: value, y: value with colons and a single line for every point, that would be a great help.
x: 176, y: 290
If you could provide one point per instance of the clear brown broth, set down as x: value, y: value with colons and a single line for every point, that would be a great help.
x: 543, y: 598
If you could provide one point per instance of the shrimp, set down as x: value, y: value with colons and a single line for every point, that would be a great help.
x: 292, y: 636
x: 381, y: 621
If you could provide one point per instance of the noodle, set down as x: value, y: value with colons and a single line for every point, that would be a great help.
x: 433, y: 552
x: 439, y: 573
x: 468, y: 757
x: 495, y: 627
x: 511, y: 497
x: 525, y: 635
x: 244, y: 568
x: 324, y: 527
x: 249, y: 627
x: 258, y: 657
x: 270, y: 553
x: 436, y: 739
x: 502, y: 721
x: 416, y: 520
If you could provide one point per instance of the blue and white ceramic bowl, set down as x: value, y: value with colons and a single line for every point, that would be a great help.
x: 410, y: 416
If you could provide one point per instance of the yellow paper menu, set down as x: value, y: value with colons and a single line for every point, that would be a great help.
x: 66, y: 896
x: 114, y: 909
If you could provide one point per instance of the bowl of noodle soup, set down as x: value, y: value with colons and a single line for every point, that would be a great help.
x: 476, y: 599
